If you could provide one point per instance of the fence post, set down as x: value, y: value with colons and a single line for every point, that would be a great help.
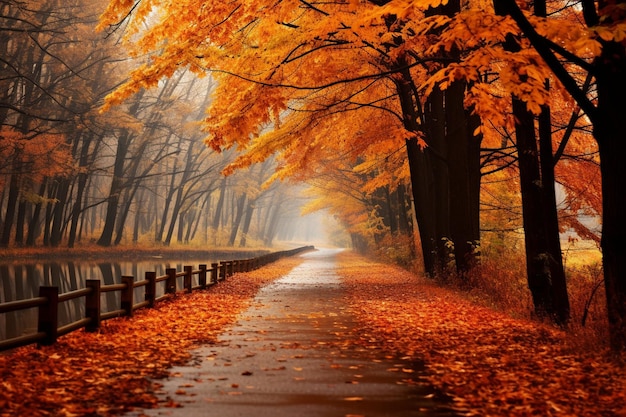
x: 92, y: 305
x: 215, y: 267
x: 170, y: 283
x: 222, y: 270
x: 150, y: 288
x: 127, y: 295
x: 202, y: 276
x: 187, y: 278
x: 48, y: 318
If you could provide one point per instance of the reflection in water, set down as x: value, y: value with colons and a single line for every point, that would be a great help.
x: 19, y: 282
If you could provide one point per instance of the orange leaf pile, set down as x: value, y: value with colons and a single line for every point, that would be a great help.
x: 489, y: 363
x: 107, y: 373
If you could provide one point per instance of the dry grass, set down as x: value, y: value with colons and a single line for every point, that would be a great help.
x: 500, y: 283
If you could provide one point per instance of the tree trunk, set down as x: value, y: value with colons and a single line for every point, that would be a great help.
x: 113, y: 200
x: 246, y: 223
x: 237, y: 220
x: 80, y: 189
x: 58, y: 220
x: 475, y: 176
x: 561, y: 307
x: 544, y: 266
x: 462, y: 230
x: 404, y: 210
x: 609, y: 127
x: 34, y: 224
x: 123, y: 145
x: 219, y: 206
x: 272, y: 227
x: 420, y: 168
x: 610, y: 132
x: 10, y: 210
x: 537, y: 257
x: 20, y: 223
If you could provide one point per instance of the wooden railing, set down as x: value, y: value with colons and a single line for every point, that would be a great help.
x: 49, y: 298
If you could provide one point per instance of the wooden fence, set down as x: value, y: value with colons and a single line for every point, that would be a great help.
x: 49, y: 298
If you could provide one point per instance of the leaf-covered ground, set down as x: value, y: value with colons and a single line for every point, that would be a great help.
x: 104, y: 373
x: 489, y: 363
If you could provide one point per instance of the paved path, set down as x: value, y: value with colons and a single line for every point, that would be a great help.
x: 290, y: 355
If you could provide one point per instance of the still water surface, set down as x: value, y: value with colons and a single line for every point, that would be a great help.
x: 22, y: 281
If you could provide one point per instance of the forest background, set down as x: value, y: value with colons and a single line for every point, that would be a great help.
x: 478, y: 141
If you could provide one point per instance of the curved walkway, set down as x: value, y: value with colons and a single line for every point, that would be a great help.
x: 294, y: 354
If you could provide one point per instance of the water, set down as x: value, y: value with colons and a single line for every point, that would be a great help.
x: 22, y: 281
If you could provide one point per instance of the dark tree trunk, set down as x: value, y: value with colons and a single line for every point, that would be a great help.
x: 462, y: 230
x: 182, y: 222
x: 544, y: 266
x: 237, y: 219
x: 10, y: 211
x: 420, y: 168
x: 610, y: 132
x: 219, y: 206
x: 49, y: 214
x: 20, y: 223
x: 404, y: 210
x: 34, y: 228
x: 609, y: 127
x: 246, y: 223
x: 80, y: 190
x: 166, y: 207
x: 561, y: 307
x: 76, y: 209
x: 123, y: 145
x: 435, y: 129
x: 58, y: 216
x: 113, y: 199
x: 537, y: 257
x: 272, y: 227
x: 474, y: 178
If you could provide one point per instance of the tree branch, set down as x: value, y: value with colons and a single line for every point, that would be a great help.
x: 543, y: 47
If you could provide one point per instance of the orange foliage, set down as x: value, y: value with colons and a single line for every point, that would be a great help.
x: 315, y: 83
x: 490, y: 363
x: 44, y: 155
x: 107, y: 373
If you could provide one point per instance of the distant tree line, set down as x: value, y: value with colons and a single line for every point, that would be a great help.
x: 137, y: 173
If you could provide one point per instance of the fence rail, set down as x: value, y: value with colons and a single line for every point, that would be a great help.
x: 49, y: 298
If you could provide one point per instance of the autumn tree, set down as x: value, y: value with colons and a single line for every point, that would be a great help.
x: 42, y: 72
x: 596, y: 45
x: 74, y: 172
x: 383, y: 59
x: 544, y: 264
x: 435, y: 69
